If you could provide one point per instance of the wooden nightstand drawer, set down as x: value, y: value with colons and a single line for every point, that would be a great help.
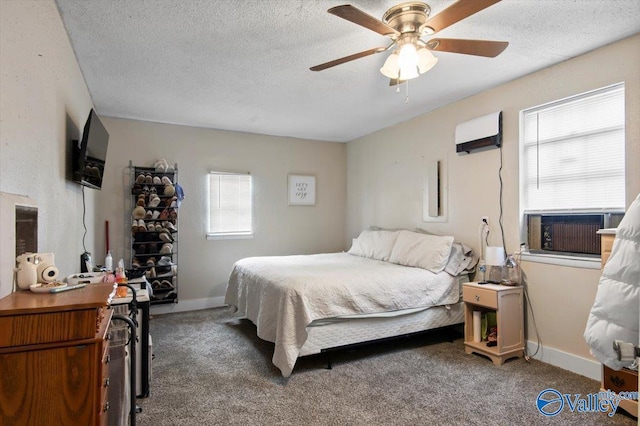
x: 480, y: 297
x: 618, y: 381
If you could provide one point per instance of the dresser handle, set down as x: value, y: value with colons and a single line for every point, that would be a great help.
x: 106, y: 382
x: 108, y: 336
x: 106, y: 407
x: 477, y: 298
x: 107, y: 359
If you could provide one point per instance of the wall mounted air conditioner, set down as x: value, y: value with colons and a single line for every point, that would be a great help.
x: 481, y: 132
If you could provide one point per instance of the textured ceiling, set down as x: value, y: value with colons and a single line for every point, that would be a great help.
x: 243, y: 65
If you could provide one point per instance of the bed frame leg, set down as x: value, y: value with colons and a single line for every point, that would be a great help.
x: 329, y: 367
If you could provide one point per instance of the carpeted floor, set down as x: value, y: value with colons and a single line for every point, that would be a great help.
x: 211, y: 369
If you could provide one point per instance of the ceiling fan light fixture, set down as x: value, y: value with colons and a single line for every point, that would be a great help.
x: 408, y: 61
x: 426, y: 60
x: 390, y: 68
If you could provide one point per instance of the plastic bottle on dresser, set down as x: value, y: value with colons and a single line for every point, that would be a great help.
x: 108, y: 262
x: 121, y: 278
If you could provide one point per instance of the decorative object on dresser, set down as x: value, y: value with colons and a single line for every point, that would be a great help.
x: 155, y: 199
x: 503, y: 302
x: 54, y: 356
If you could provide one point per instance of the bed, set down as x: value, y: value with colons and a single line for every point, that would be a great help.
x: 390, y: 283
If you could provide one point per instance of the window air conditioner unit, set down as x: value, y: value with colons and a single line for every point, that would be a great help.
x: 481, y: 132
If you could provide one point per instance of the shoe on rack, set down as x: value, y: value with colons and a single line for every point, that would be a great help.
x: 164, y: 261
x: 154, y: 201
x: 138, y: 212
x: 148, y: 179
x: 140, y: 178
x: 152, y: 248
x: 134, y: 226
x: 148, y: 214
x: 160, y: 165
x: 167, y: 248
x: 135, y: 263
x: 140, y: 249
x: 169, y: 226
x: 166, y: 237
x: 141, y: 225
x: 151, y: 262
x: 155, y: 215
x: 150, y: 273
x: 156, y: 180
x: 169, y: 190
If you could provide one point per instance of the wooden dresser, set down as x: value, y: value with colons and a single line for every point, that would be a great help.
x: 54, y: 363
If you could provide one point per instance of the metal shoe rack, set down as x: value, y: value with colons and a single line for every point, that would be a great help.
x: 149, y: 250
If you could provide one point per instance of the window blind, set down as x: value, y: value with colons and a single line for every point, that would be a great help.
x: 573, y: 153
x: 229, y: 203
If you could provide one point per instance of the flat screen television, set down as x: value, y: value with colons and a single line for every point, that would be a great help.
x: 90, y: 153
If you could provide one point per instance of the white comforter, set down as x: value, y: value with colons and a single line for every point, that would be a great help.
x: 281, y: 295
x: 616, y: 310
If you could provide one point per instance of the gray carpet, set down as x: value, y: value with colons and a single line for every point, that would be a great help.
x: 211, y: 369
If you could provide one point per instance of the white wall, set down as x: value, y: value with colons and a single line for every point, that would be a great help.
x: 386, y: 171
x: 43, y: 105
x: 204, y: 265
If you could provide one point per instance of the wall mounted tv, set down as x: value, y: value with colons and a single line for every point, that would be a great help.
x: 90, y: 153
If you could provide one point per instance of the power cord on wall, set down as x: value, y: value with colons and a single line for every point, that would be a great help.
x: 84, y: 225
x: 517, y: 256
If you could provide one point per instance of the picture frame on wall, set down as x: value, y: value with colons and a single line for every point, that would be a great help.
x: 302, y: 190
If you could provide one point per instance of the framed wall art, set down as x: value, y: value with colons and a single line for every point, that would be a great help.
x: 302, y: 190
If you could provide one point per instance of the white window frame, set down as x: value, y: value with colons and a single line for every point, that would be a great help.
x: 568, y: 259
x: 229, y: 234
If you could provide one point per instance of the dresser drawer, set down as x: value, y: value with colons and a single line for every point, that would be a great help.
x: 619, y: 381
x: 480, y: 297
x: 606, y: 244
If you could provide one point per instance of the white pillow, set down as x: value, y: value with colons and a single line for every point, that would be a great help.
x: 430, y: 252
x: 374, y: 244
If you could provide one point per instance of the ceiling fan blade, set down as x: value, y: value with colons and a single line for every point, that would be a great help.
x: 347, y: 59
x: 487, y: 48
x: 357, y: 16
x: 457, y: 12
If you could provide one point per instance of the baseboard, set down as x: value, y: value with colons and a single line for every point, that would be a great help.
x: 574, y: 363
x: 188, y: 305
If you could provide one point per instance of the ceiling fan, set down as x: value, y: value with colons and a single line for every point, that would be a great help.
x: 405, y: 24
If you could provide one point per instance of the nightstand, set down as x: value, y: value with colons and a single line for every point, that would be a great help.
x: 506, y: 302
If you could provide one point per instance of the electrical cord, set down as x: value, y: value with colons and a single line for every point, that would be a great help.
x: 517, y: 258
x: 84, y: 225
x: 504, y: 246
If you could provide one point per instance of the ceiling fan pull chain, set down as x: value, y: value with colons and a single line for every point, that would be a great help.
x: 406, y: 100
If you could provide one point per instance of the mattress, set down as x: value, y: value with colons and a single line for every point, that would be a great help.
x: 345, y: 330
x: 336, y: 332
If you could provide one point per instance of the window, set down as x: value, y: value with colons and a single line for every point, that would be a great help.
x: 229, y: 204
x: 572, y: 171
